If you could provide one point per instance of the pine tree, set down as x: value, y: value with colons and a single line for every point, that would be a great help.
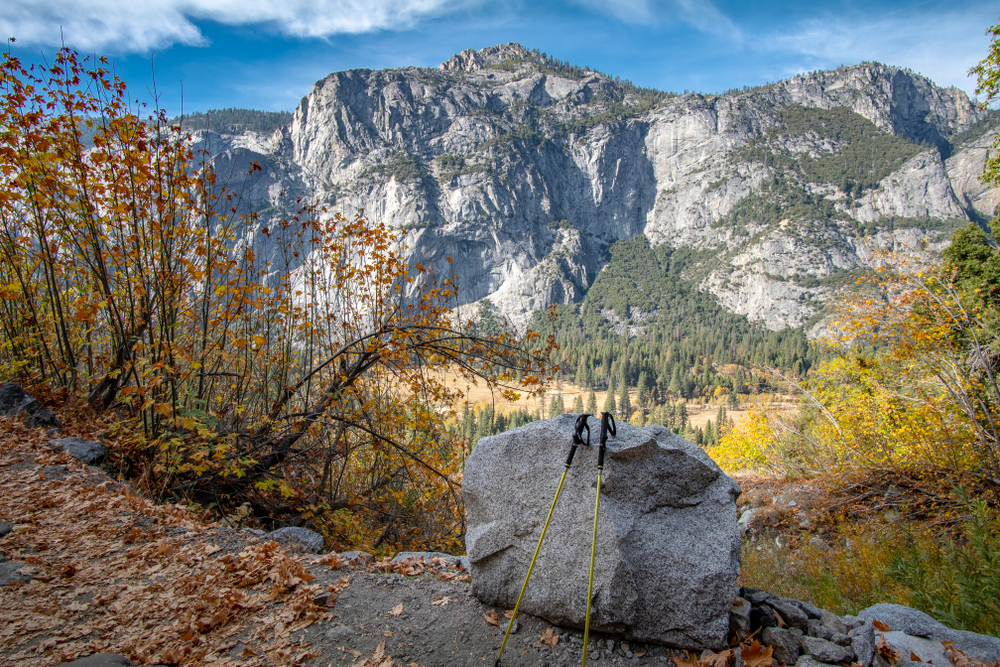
x: 681, y: 416
x: 609, y: 401
x: 578, y: 405
x: 484, y: 422
x: 557, y: 407
x: 500, y: 423
x: 591, y: 403
x: 642, y: 393
x: 581, y: 373
x: 676, y: 386
x: 624, y: 404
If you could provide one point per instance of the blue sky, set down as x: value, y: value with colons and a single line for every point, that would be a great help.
x: 266, y: 54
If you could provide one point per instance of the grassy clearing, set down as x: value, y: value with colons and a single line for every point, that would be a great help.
x: 880, y: 539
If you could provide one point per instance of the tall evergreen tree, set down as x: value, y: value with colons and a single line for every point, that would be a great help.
x: 557, y: 407
x: 591, y: 403
x: 680, y: 416
x: 609, y: 401
x: 578, y: 405
x: 624, y: 403
x: 642, y: 390
x: 676, y: 386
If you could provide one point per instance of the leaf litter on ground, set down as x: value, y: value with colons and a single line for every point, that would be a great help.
x: 113, y: 572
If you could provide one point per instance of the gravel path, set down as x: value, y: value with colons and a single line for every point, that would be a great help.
x: 425, y: 621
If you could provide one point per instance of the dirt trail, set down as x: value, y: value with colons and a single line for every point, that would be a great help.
x: 113, y: 572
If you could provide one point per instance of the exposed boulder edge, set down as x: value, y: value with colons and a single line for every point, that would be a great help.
x: 427, y: 556
x: 11, y: 571
x: 310, y: 540
x: 358, y: 557
x: 15, y: 401
x: 916, y: 623
x: 662, y: 500
x: 85, y: 451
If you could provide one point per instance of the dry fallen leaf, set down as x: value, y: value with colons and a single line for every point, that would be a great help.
x: 550, y: 638
x: 716, y: 659
x: 956, y: 656
x: 492, y: 618
x: 880, y: 626
x: 332, y: 559
x: 756, y: 655
x: 397, y: 610
x: 442, y: 602
x: 886, y: 651
x: 692, y: 660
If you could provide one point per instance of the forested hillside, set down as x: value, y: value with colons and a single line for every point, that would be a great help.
x: 232, y: 120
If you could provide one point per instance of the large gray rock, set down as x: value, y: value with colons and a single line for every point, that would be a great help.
x: 806, y: 660
x: 863, y: 643
x: 790, y: 611
x: 912, y: 622
x: 15, y: 401
x: 668, y: 549
x: 827, y: 651
x: 832, y: 622
x: 739, y: 618
x: 925, y: 650
x: 85, y: 451
x: 296, y: 536
x: 786, y: 644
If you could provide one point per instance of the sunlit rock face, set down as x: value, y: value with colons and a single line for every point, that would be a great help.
x: 523, y: 171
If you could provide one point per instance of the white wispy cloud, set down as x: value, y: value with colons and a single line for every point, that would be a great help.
x: 941, y: 45
x: 700, y: 14
x: 143, y: 25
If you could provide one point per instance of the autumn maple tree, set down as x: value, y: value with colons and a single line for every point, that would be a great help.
x: 291, y: 364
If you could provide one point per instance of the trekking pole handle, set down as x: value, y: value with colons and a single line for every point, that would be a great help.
x: 607, y: 425
x: 581, y: 426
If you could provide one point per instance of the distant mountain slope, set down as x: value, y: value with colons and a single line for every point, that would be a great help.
x: 525, y: 170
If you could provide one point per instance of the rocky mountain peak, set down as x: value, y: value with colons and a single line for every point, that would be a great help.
x: 524, y: 170
x: 470, y: 60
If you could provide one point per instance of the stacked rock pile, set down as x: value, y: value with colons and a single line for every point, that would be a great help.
x: 804, y: 635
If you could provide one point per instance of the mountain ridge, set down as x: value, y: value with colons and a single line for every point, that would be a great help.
x: 524, y: 170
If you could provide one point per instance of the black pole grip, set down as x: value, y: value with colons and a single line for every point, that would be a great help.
x: 578, y: 429
x: 607, y: 424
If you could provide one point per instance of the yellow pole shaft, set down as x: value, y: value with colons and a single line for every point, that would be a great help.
x: 593, y: 553
x: 532, y: 566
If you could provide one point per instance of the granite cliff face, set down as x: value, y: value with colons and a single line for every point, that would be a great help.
x: 524, y: 170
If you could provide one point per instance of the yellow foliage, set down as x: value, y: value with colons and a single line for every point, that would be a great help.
x: 750, y: 444
x: 244, y: 351
x: 904, y: 388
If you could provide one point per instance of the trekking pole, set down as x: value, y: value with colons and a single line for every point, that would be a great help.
x: 581, y: 425
x: 607, y: 424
